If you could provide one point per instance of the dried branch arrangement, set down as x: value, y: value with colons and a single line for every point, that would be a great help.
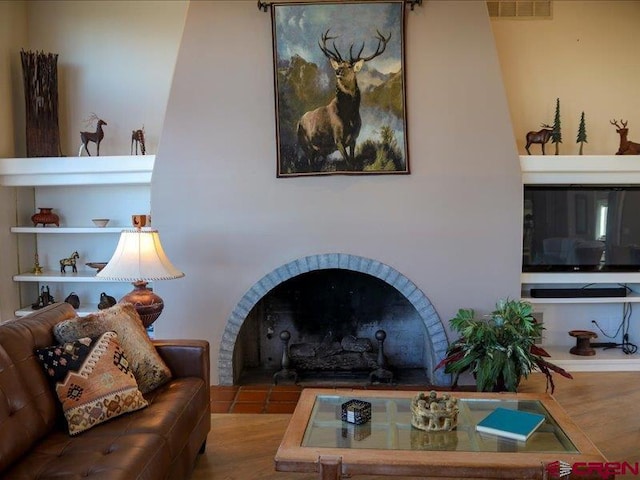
x: 40, y: 75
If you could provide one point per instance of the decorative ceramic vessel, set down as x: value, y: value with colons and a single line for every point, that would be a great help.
x: 106, y: 301
x: 97, y: 265
x: 100, y: 222
x: 73, y: 300
x: 45, y: 217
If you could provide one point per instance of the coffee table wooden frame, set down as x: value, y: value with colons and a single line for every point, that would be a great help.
x: 333, y: 463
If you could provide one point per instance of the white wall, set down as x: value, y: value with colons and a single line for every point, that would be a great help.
x: 13, y: 21
x: 587, y: 57
x: 115, y: 59
x: 452, y: 226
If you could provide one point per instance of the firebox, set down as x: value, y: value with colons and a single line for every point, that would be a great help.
x: 333, y: 317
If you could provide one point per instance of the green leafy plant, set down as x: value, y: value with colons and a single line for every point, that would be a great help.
x: 499, y: 350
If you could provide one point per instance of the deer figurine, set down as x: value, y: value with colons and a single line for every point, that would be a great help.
x: 137, y: 137
x: 626, y: 147
x: 336, y: 126
x: 95, y: 137
x: 541, y: 137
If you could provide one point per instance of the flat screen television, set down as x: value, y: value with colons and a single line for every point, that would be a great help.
x: 585, y: 228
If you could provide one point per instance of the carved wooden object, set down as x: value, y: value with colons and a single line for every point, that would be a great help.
x: 40, y: 76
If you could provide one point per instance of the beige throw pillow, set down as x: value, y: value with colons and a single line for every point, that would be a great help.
x: 148, y: 367
x: 93, y: 381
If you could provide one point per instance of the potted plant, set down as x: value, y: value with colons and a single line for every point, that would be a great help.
x: 498, y: 350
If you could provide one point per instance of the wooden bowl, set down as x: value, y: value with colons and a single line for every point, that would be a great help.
x: 97, y: 265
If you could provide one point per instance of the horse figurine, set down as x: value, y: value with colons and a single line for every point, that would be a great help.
x: 69, y: 262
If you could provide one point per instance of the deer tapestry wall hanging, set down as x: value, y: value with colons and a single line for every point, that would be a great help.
x: 339, y: 81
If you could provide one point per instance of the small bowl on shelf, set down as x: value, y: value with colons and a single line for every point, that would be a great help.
x: 100, y: 222
x: 97, y: 265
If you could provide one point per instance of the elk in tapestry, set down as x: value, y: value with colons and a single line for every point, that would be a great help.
x: 339, y: 76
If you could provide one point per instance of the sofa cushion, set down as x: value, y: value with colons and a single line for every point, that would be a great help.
x: 93, y: 380
x: 147, y: 366
x: 147, y: 444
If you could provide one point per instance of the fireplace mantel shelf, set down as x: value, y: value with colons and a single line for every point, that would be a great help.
x: 573, y: 169
x: 103, y: 170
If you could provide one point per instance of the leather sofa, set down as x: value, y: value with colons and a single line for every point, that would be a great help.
x: 161, y: 441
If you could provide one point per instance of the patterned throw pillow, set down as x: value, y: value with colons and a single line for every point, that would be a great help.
x: 147, y: 365
x: 93, y: 381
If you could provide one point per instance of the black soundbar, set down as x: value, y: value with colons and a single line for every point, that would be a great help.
x: 596, y: 292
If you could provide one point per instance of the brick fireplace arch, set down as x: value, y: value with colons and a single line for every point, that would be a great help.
x: 436, y: 335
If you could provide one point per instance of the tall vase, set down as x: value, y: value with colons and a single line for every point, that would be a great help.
x: 40, y: 77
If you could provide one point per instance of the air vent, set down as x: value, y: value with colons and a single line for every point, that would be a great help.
x: 538, y: 9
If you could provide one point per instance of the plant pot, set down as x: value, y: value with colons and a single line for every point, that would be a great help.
x: 500, y: 385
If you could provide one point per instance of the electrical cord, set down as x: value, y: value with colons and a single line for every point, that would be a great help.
x: 626, y: 346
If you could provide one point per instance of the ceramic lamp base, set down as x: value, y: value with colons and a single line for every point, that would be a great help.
x: 148, y: 305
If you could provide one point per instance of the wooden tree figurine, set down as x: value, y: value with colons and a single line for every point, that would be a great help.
x: 582, y: 134
x: 556, y: 133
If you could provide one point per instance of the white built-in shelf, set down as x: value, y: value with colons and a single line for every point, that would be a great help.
x: 56, y: 230
x: 52, y: 276
x: 584, y: 277
x: 56, y: 171
x: 605, y: 360
x: 579, y: 169
x: 82, y: 311
x: 574, y: 170
x: 633, y: 298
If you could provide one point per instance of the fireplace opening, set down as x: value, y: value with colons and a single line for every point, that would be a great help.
x: 331, y: 320
x: 354, y: 293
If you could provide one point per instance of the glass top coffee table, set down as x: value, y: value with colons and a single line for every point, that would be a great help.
x: 317, y: 440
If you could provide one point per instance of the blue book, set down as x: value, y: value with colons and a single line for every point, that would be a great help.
x: 508, y: 423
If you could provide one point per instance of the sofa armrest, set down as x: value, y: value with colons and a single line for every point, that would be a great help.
x: 185, y: 358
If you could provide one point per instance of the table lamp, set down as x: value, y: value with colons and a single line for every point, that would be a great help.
x: 139, y: 258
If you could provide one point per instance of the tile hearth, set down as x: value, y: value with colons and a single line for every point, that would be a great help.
x: 268, y: 398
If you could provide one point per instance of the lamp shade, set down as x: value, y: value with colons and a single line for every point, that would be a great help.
x: 139, y: 256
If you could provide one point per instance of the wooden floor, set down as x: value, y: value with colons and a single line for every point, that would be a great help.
x: 605, y: 405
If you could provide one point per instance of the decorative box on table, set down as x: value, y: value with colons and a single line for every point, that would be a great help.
x: 356, y: 411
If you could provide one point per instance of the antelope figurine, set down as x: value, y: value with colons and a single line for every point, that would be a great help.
x: 626, y: 147
x: 95, y: 137
x: 336, y: 126
x: 137, y: 137
x: 541, y: 137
